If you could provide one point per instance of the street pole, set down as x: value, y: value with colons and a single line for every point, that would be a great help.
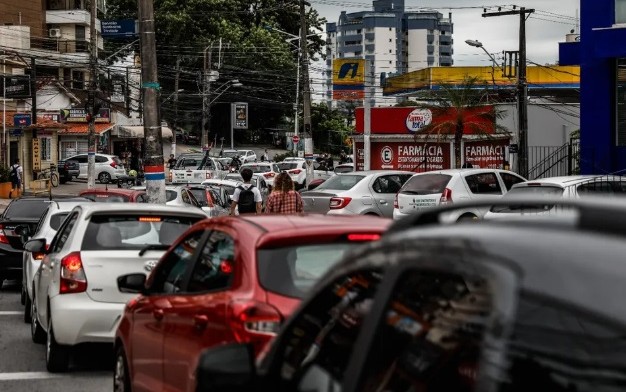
x: 306, y: 93
x: 5, y: 161
x: 206, y: 84
x: 297, y: 105
x: 173, y: 147
x: 232, y: 126
x: 522, y: 88
x: 91, y: 117
x: 153, y: 156
x: 367, y: 119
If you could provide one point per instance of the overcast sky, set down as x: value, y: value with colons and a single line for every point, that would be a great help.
x: 545, y: 28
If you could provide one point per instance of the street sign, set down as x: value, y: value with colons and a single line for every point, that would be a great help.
x: 36, y: 155
x: 118, y: 28
x: 295, y: 139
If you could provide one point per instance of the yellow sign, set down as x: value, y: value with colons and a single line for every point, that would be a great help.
x: 349, y: 72
x: 36, y: 155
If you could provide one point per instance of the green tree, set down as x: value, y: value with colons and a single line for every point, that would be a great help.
x: 457, y: 103
x: 330, y: 128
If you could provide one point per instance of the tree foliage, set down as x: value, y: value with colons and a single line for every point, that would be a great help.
x: 330, y: 128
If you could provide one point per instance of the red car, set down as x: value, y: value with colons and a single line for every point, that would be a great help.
x: 225, y: 280
x: 115, y: 195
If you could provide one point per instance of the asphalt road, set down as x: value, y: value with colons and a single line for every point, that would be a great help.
x: 23, y: 365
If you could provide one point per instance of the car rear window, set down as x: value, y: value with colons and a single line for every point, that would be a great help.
x: 342, y: 182
x: 118, y: 161
x: 26, y: 209
x: 288, y: 165
x: 133, y: 231
x: 344, y: 169
x: 57, y: 219
x: 292, y: 271
x: 258, y: 168
x: 426, y: 184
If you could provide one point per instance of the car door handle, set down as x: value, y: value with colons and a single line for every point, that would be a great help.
x: 158, y: 314
x: 382, y: 201
x: 200, y: 321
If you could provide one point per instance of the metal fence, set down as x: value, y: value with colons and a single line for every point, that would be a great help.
x: 554, y: 161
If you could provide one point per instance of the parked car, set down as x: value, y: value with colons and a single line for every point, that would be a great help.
x: 75, y: 294
x: 68, y: 170
x: 108, y: 167
x: 47, y: 227
x: 296, y: 170
x: 474, y: 306
x: 115, y: 195
x: 226, y: 188
x: 426, y: 190
x: 244, y: 277
x: 245, y: 156
x: 210, y: 200
x: 268, y: 170
x: 177, y: 196
x: 18, y: 220
x: 571, y: 187
x: 359, y: 193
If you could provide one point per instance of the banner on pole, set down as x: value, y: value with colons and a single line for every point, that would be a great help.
x: 240, y: 115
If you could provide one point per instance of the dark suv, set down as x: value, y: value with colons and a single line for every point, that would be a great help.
x: 68, y: 170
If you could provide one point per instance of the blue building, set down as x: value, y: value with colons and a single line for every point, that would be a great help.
x: 601, y: 54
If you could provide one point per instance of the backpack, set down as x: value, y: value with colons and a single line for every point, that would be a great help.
x: 246, y: 201
x: 14, y: 171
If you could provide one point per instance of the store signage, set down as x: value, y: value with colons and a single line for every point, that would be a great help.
x: 16, y: 86
x: 36, y: 155
x: 78, y: 115
x: 409, y: 155
x: 240, y: 115
x: 486, y: 154
x: 22, y: 120
x: 348, y: 79
x: 118, y: 28
x: 418, y: 119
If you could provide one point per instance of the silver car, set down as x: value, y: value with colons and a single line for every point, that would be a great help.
x: 76, y: 298
x: 357, y: 193
x: 257, y: 180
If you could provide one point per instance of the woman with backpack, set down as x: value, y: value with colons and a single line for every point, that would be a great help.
x: 284, y: 199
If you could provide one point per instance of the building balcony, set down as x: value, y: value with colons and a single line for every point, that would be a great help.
x: 370, y: 36
x: 430, y: 49
x: 351, y: 37
x: 430, y: 38
x: 61, y: 46
x: 76, y: 17
x: 445, y: 40
x: 445, y: 61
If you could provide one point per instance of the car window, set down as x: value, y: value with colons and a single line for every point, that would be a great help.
x: 388, y: 184
x: 483, y: 184
x: 510, y: 179
x: 344, y: 169
x: 426, y: 184
x: 42, y: 220
x: 101, y: 159
x: 170, y: 195
x: 107, y: 198
x: 63, y: 234
x: 143, y: 198
x: 26, y: 209
x: 596, y: 188
x: 80, y: 158
x: 215, y: 266
x: 316, y: 347
x: 170, y: 272
x: 288, y: 165
x: 209, y: 165
x: 341, y: 182
x: 275, y: 168
x: 200, y: 196
x: 185, y: 196
x: 57, y: 219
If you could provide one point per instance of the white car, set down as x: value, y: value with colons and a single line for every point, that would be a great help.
x: 296, y: 170
x: 176, y: 196
x: 245, y: 156
x: 268, y: 170
x: 570, y: 187
x: 47, y: 227
x: 194, y: 168
x: 76, y: 298
x: 425, y: 190
x: 108, y: 167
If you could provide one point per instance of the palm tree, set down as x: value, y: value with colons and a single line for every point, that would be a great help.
x: 458, y: 103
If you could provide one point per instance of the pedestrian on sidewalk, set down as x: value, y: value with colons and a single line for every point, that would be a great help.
x: 16, y: 178
x: 284, y: 199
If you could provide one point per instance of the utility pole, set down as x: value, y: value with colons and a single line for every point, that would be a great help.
x: 206, y: 107
x: 91, y: 99
x: 173, y: 151
x: 154, y: 168
x: 306, y: 91
x: 522, y: 88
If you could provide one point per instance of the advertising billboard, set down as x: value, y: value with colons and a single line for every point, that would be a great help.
x: 240, y: 115
x: 486, y: 154
x: 78, y: 115
x: 348, y: 79
x: 406, y: 155
x: 118, y: 28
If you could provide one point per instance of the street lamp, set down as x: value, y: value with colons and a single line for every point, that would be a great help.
x: 478, y: 44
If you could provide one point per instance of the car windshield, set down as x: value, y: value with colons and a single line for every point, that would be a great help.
x: 292, y: 271
x: 186, y: 162
x: 26, y: 209
x: 288, y: 165
x: 231, y: 154
x: 426, y: 184
x: 57, y: 219
x: 133, y: 231
x: 341, y: 182
x: 258, y: 168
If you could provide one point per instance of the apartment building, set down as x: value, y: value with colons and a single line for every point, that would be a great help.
x: 397, y: 41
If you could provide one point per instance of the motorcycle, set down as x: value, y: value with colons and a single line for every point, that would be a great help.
x: 234, y: 166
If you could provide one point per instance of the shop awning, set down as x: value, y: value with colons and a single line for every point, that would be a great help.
x: 136, y: 131
x: 83, y: 129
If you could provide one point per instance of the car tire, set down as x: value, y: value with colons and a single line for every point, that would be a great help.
x: 27, y: 310
x: 57, y: 355
x: 121, y: 378
x: 467, y: 217
x: 37, y: 334
x: 104, y: 178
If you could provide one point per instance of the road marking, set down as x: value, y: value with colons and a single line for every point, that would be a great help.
x: 28, y: 376
x: 10, y: 313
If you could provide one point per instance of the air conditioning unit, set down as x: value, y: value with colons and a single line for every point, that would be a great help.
x: 55, y: 33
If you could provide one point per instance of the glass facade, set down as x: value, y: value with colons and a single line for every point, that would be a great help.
x: 620, y: 11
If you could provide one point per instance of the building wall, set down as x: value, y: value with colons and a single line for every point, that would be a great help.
x: 417, y: 52
x: 31, y: 13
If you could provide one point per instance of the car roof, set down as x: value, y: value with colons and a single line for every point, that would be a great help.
x: 221, y: 182
x: 466, y: 170
x: 111, y: 191
x: 275, y: 223
x: 147, y: 208
x: 570, y: 180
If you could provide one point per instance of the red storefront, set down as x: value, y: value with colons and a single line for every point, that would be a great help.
x: 398, y: 141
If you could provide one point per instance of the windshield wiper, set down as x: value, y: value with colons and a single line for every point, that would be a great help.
x: 153, y: 247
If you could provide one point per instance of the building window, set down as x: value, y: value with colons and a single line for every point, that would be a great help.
x: 390, y: 29
x: 620, y: 11
x: 389, y: 50
x: 46, y: 148
x: 390, y: 40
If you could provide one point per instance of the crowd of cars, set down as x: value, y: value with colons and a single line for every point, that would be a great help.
x: 340, y: 298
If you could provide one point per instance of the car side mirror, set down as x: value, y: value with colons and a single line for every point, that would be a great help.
x: 36, y: 246
x: 132, y: 283
x: 227, y: 368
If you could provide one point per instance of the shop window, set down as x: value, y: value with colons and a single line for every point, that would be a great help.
x: 46, y: 148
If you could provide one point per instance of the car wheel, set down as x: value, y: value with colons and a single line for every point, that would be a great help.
x: 36, y: 332
x: 121, y: 378
x: 104, y: 178
x: 57, y: 355
x: 27, y: 310
x: 467, y: 217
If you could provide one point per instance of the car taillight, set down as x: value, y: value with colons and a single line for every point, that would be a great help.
x: 113, y: 164
x: 269, y: 175
x: 73, y: 279
x: 296, y: 171
x: 395, y: 202
x: 446, y: 196
x: 356, y: 237
x: 3, y: 237
x: 254, y: 322
x: 337, y: 203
